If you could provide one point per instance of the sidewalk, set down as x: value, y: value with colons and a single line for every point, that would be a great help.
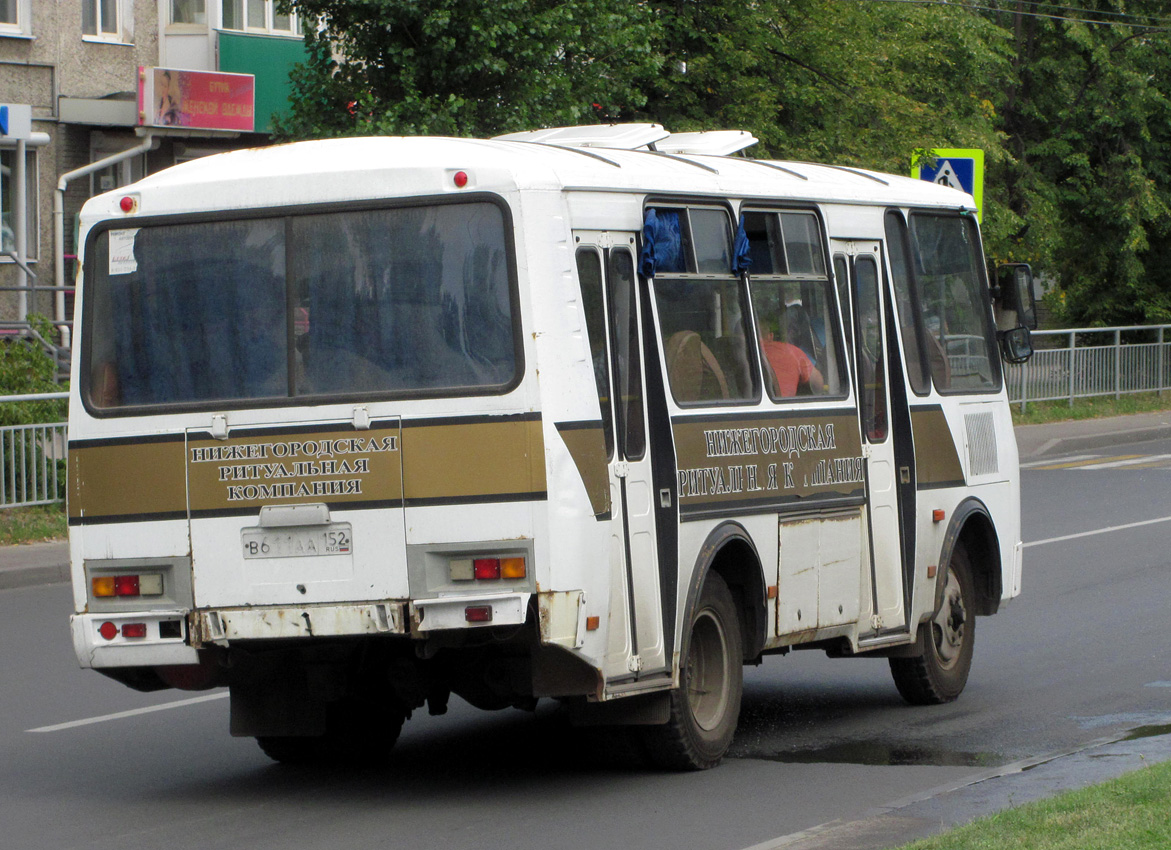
x: 34, y: 563
x: 48, y: 563
x: 1065, y: 438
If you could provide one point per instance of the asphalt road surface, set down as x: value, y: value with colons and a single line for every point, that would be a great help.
x: 1084, y: 654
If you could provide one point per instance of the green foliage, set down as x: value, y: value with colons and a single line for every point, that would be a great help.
x: 1074, y: 116
x: 33, y: 524
x: 1089, y: 119
x: 467, y: 67
x: 828, y: 81
x: 1096, y: 407
x: 27, y: 367
x: 1128, y: 813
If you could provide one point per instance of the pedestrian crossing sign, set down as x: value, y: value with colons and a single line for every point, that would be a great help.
x: 960, y: 168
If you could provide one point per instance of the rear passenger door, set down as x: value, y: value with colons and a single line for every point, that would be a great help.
x: 636, y: 650
x: 861, y: 261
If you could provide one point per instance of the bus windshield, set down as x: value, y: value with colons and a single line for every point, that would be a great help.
x: 396, y: 301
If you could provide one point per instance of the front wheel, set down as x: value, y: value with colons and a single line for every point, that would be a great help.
x: 938, y: 673
x: 706, y: 706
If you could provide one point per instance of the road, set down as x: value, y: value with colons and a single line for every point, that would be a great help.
x: 1085, y: 653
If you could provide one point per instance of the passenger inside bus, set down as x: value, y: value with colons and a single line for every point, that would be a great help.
x: 792, y: 371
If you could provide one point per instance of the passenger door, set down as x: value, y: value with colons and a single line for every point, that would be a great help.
x: 636, y: 640
x: 874, y: 371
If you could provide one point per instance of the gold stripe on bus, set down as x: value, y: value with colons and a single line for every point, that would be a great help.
x: 277, y: 468
x: 477, y: 460
x: 587, y: 447
x: 768, y: 458
x: 126, y: 479
x: 936, y: 461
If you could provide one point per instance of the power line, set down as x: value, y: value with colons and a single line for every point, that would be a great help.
x: 1091, y: 11
x: 1128, y: 23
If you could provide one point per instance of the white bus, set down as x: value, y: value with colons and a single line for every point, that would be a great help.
x: 588, y: 414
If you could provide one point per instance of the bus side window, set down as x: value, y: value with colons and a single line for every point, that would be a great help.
x: 794, y: 305
x: 871, y: 363
x: 842, y: 279
x: 703, y: 316
x: 589, y: 273
x: 907, y: 307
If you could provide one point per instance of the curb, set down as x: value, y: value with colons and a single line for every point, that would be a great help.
x: 1060, y: 445
x: 937, y: 810
x: 31, y: 564
x: 33, y: 576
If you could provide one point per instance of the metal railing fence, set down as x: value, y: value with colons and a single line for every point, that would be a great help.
x: 1082, y: 362
x: 32, y: 458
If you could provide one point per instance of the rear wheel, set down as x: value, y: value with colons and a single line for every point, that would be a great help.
x: 357, y: 732
x: 706, y: 706
x: 940, y: 670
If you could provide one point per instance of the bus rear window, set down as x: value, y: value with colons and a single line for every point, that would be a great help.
x: 401, y: 301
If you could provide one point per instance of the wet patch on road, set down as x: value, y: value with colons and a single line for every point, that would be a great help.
x: 882, y: 755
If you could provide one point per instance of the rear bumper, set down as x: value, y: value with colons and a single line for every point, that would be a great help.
x: 94, y: 650
x: 224, y: 625
x: 561, y: 621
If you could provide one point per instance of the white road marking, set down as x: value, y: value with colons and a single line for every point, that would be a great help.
x: 1099, y: 531
x: 1059, y: 460
x: 132, y: 713
x: 1126, y: 462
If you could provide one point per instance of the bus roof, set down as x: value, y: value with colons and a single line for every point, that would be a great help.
x: 388, y: 167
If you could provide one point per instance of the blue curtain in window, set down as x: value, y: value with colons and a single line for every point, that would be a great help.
x: 742, y: 250
x: 662, y: 243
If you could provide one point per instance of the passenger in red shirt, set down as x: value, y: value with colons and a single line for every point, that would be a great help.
x: 791, y: 366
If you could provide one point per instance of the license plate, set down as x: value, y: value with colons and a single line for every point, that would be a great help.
x: 335, y: 539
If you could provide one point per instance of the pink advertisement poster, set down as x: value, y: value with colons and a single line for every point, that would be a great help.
x: 205, y: 100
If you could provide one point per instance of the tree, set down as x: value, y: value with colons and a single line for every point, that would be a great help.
x: 1089, y: 120
x: 1072, y: 107
x: 467, y: 67
x: 852, y: 83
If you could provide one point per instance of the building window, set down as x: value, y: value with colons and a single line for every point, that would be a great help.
x: 102, y: 20
x: 8, y: 202
x: 189, y: 12
x: 15, y: 17
x: 258, y: 16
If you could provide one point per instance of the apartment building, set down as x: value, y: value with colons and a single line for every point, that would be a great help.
x: 95, y: 94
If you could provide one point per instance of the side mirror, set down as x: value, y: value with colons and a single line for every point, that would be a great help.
x: 1016, y: 346
x: 1015, y: 285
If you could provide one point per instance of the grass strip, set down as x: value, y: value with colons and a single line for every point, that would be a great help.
x: 33, y: 524
x: 1039, y: 412
x: 1127, y: 813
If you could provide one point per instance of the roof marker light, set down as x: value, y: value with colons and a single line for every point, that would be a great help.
x: 128, y: 204
x: 460, y: 179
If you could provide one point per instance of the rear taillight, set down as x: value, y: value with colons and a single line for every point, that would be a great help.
x: 133, y: 584
x: 478, y: 613
x: 487, y: 569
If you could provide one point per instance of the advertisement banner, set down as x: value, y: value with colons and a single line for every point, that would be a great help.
x: 204, y: 100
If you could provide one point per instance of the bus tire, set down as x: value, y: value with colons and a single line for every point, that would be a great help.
x: 356, y: 734
x: 705, y: 707
x: 938, y: 673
